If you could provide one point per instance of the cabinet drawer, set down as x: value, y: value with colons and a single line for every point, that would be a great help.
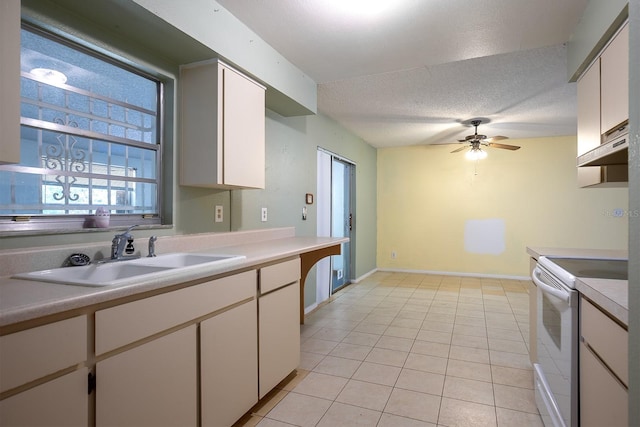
x: 608, y: 339
x: 34, y: 353
x: 60, y: 402
x: 124, y: 324
x: 278, y: 275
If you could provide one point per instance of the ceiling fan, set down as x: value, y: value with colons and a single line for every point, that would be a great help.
x: 476, y: 141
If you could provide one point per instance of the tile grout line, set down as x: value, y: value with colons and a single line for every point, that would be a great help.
x: 440, y: 295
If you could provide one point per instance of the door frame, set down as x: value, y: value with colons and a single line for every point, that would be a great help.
x: 324, y: 213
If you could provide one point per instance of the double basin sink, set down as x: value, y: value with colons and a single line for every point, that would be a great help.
x: 130, y: 271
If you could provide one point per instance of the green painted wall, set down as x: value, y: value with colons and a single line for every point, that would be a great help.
x: 291, y: 142
x: 291, y: 171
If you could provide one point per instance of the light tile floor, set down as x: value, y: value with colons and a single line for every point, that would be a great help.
x: 400, y: 349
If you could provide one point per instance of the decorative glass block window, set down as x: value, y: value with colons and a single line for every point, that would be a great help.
x: 90, y: 138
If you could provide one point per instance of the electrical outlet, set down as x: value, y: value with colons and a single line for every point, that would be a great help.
x: 219, y: 217
x: 264, y: 215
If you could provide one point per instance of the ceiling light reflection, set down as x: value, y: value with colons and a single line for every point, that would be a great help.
x: 364, y: 8
x: 50, y: 76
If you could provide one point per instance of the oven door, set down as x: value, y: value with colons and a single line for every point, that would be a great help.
x: 557, y: 368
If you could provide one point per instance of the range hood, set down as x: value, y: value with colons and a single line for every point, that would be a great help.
x: 613, y: 151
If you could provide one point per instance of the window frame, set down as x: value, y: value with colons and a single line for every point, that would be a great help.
x: 70, y: 223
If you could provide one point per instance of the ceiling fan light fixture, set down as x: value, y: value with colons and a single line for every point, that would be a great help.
x: 476, y: 153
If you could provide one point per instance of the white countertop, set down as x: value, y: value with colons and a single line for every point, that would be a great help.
x: 611, y: 295
x: 22, y: 300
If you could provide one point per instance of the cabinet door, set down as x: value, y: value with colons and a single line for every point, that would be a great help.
x: 63, y: 401
x: 589, y: 122
x: 244, y: 132
x: 279, y: 332
x: 153, y: 384
x: 603, y: 399
x: 614, y: 77
x: 229, y: 365
x: 223, y: 128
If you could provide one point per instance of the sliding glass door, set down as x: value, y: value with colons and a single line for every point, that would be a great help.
x: 336, y: 185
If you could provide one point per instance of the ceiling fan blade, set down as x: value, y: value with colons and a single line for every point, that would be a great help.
x: 460, y: 149
x: 460, y: 141
x: 496, y: 138
x: 504, y: 146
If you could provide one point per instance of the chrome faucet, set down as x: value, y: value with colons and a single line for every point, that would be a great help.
x: 152, y: 246
x: 122, y: 243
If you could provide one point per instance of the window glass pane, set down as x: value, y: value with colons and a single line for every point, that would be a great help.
x: 86, y: 72
x: 88, y: 136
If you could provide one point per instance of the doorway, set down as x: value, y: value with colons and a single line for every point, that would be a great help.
x: 336, y: 184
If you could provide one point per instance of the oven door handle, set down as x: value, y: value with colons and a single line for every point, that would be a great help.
x: 558, y: 293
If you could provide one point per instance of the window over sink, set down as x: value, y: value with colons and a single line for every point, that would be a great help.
x: 90, y: 139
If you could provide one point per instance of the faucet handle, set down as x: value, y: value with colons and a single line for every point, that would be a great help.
x: 152, y: 246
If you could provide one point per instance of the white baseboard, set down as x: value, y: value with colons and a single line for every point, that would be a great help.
x: 312, y: 307
x: 364, y: 276
x: 453, y: 273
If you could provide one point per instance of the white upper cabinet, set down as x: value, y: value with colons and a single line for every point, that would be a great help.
x: 10, y: 81
x: 589, y: 122
x: 603, y: 105
x: 614, y: 77
x: 223, y: 128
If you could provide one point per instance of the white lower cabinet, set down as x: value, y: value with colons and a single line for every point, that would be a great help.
x: 200, y: 355
x: 182, y: 358
x: 229, y: 365
x: 603, y: 399
x: 47, y: 365
x: 60, y: 402
x: 278, y: 323
x: 604, y: 377
x: 154, y: 384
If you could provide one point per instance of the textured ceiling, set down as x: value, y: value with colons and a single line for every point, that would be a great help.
x: 406, y: 72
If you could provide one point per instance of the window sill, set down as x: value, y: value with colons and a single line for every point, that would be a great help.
x: 44, y: 232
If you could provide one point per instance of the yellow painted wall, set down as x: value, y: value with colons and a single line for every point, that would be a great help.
x: 426, y: 196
